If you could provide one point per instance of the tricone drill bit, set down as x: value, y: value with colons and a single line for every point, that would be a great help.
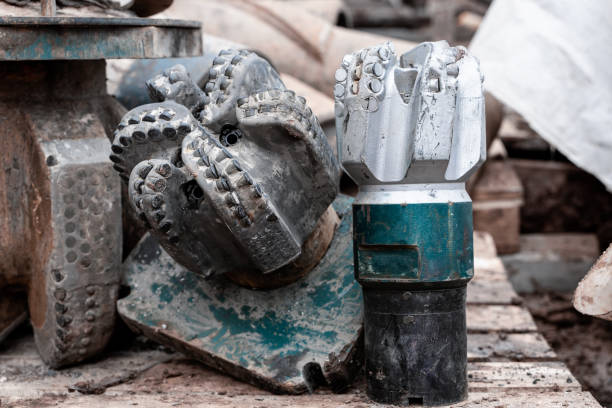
x: 233, y: 178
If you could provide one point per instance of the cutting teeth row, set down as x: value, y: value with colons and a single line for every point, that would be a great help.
x: 234, y: 190
x: 221, y: 75
x: 286, y: 106
x: 144, y: 132
x: 242, y: 202
x: 361, y: 78
x: 67, y: 337
x: 230, y: 179
x: 149, y: 182
x: 363, y: 70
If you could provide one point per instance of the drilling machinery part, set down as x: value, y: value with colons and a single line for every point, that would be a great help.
x: 288, y: 340
x: 234, y: 181
x: 60, y: 205
x: 233, y: 178
x: 410, y: 132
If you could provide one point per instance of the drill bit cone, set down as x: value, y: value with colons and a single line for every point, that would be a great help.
x: 235, y: 178
x: 410, y: 131
x: 235, y: 181
x: 313, y: 250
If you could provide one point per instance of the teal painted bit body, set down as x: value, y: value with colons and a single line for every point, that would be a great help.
x: 415, y: 243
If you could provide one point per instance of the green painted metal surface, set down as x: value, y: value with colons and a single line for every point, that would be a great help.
x: 263, y: 337
x: 414, y: 243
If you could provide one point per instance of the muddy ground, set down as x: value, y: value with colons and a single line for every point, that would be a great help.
x: 582, y: 342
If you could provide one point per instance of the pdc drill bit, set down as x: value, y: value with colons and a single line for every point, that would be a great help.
x: 410, y: 132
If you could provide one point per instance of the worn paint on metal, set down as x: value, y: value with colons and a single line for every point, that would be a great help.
x: 50, y: 38
x: 263, y: 337
x: 414, y: 242
x: 96, y: 22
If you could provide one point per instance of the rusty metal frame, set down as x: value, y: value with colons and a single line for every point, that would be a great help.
x: 90, y: 38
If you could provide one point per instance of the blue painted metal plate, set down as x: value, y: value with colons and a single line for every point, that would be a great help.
x: 267, y: 338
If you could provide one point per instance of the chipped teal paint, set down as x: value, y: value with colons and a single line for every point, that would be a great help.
x: 42, y: 49
x: 163, y: 291
x: 277, y: 332
x: 414, y: 243
x: 262, y: 334
x: 49, y: 44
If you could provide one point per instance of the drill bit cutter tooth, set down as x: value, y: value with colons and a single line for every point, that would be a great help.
x: 207, y: 174
x: 366, y: 101
x: 410, y: 132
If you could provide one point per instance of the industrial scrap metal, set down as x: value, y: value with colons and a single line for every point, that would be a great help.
x: 410, y: 131
x: 235, y: 181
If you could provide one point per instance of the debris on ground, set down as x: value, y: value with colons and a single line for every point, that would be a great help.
x: 582, y: 342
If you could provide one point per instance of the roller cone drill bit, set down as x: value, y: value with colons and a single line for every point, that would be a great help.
x: 231, y: 178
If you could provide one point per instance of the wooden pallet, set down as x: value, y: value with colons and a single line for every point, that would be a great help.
x: 510, y: 365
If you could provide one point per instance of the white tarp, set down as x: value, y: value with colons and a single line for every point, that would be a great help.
x: 551, y: 61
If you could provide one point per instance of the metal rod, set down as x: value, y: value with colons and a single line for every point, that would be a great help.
x: 47, y: 8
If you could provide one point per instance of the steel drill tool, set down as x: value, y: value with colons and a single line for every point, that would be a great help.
x: 411, y: 130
